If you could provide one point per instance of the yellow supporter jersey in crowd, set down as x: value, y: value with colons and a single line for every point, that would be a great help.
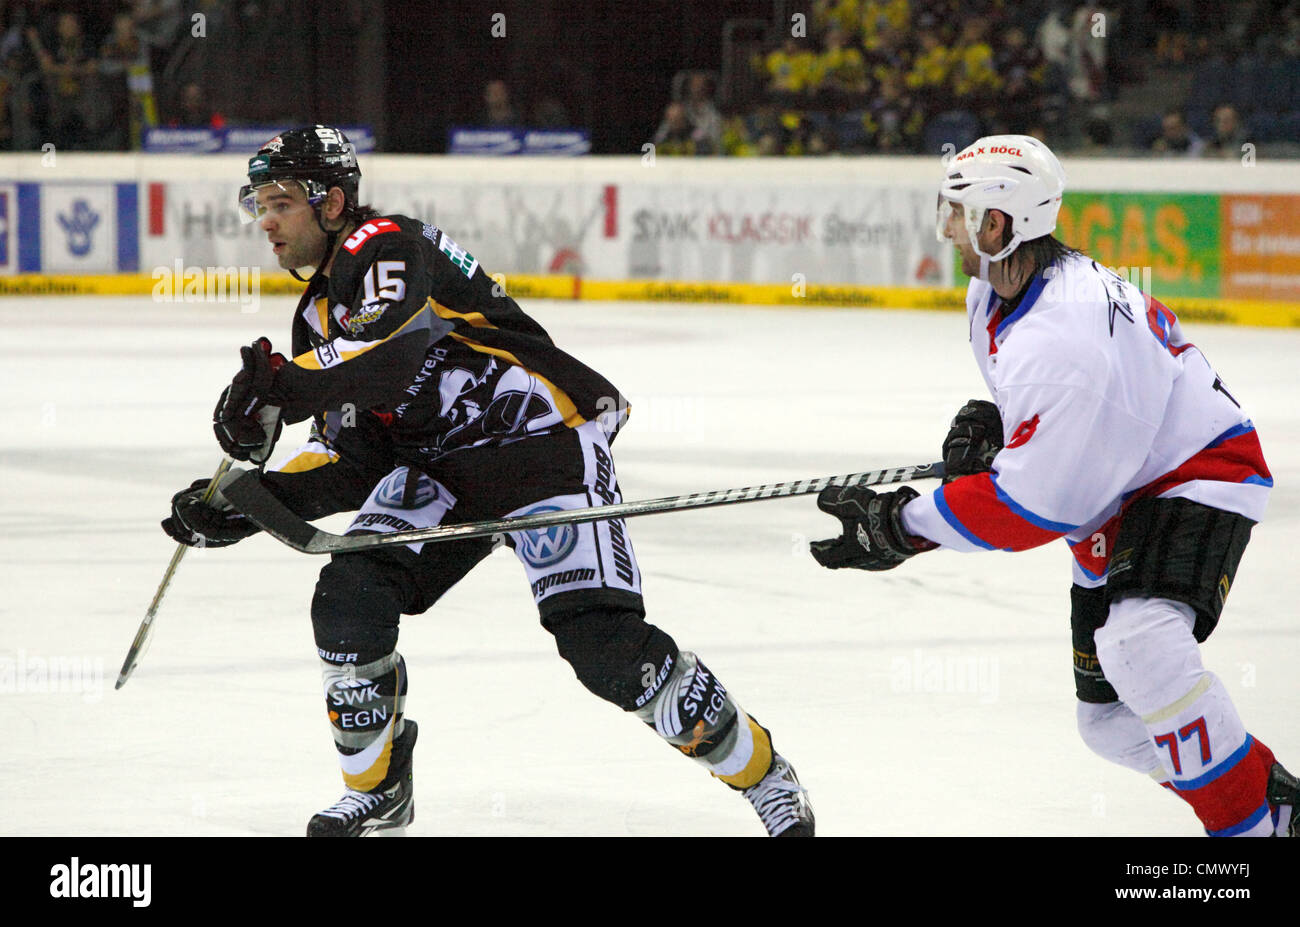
x: 876, y: 14
x: 973, y: 70
x: 844, y: 65
x: 931, y: 68
x: 790, y: 72
x: 845, y: 15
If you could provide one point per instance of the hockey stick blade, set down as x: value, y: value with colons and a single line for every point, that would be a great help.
x: 244, y: 490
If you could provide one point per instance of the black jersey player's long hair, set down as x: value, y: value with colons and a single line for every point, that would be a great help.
x: 354, y: 214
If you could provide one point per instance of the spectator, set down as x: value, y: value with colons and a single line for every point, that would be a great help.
x: 839, y: 71
x: 929, y: 76
x: 887, y: 53
x: 773, y: 138
x: 67, y: 71
x: 735, y: 139
x: 675, y: 135
x: 836, y: 14
x: 549, y: 113
x: 790, y: 67
x: 1098, y: 135
x: 13, y: 55
x: 497, y: 109
x: 879, y: 16
x: 122, y: 49
x: 1019, y: 63
x: 158, y: 23
x: 705, y: 120
x: 1021, y: 68
x: 895, y: 120
x: 1176, y: 137
x: 1053, y: 38
x: 195, y: 111
x: 12, y: 38
x: 43, y: 16
x: 1087, y: 70
x: 973, y: 72
x: 1229, y: 136
x: 124, y: 58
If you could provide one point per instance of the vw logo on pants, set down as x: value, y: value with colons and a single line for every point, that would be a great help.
x: 393, y: 489
x: 545, y: 546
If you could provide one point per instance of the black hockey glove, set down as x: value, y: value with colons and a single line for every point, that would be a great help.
x: 974, y: 439
x: 873, y: 537
x: 196, y: 523
x: 246, y: 427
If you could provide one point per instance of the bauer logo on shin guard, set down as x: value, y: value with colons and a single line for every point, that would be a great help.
x: 652, y: 681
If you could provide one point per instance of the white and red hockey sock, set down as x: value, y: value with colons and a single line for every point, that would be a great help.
x: 1149, y: 655
x: 1214, y: 764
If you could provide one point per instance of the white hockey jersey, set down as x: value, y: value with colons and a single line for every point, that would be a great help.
x: 1103, y: 402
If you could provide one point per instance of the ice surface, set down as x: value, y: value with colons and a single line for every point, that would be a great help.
x: 934, y: 699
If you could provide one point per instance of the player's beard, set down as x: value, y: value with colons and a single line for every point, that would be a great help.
x: 307, y: 252
x: 970, y: 262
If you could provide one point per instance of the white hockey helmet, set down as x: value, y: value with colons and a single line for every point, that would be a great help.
x: 1015, y: 174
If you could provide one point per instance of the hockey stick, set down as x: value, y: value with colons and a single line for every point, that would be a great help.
x: 244, y: 490
x: 142, y: 636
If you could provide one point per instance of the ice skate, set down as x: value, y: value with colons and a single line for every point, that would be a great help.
x: 383, y: 811
x: 781, y: 802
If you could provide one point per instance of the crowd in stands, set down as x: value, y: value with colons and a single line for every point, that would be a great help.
x: 499, y: 109
x: 909, y: 76
x: 831, y: 76
x: 92, y: 76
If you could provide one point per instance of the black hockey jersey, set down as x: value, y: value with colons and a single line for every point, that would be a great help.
x: 409, y: 328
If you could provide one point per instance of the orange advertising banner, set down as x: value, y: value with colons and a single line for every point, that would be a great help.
x: 1261, y: 247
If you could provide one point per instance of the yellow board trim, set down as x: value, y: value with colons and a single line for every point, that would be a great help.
x: 1260, y: 313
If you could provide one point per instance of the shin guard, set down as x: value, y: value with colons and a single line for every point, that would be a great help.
x: 365, y: 704
x: 693, y: 712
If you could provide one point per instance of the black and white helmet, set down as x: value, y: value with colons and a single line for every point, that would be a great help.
x: 316, y: 157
